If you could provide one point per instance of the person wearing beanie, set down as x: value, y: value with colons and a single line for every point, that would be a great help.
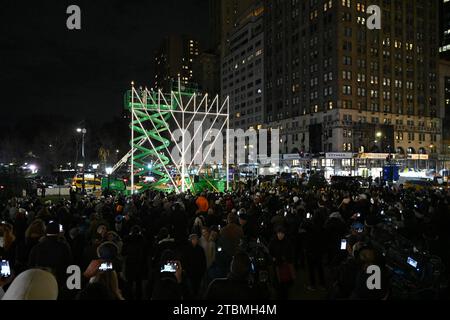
x: 52, y: 252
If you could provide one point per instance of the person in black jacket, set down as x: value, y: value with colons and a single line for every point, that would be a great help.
x: 52, y: 252
x: 236, y: 286
x: 194, y: 263
x: 77, y: 243
x: 282, y: 251
x: 135, y: 253
x: 314, y: 249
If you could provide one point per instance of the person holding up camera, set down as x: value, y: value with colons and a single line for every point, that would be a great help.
x: 168, y: 286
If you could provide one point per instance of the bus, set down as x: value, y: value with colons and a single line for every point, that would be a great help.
x: 91, y: 182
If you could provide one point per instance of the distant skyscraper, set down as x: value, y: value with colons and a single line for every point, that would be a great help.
x: 206, y: 73
x: 175, y: 59
x: 444, y: 100
x: 242, y: 77
x: 224, y: 14
x: 444, y: 15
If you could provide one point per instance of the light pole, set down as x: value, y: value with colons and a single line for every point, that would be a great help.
x: 109, y: 171
x: 83, y: 132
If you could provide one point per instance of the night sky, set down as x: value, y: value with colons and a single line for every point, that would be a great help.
x: 47, y: 69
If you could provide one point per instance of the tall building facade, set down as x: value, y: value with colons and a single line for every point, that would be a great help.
x: 174, y: 60
x: 224, y: 14
x: 334, y: 85
x: 444, y: 17
x: 206, y: 73
x: 444, y: 99
x: 242, y: 70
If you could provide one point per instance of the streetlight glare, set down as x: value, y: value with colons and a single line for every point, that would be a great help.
x: 79, y: 130
x: 109, y: 170
x: 379, y: 134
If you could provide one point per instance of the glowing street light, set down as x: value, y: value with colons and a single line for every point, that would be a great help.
x: 379, y: 134
x: 109, y: 171
x: 83, y: 131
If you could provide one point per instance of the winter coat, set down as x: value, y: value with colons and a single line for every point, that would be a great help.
x: 54, y: 253
x: 135, y: 253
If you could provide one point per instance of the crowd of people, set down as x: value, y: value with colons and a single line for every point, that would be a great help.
x: 248, y: 244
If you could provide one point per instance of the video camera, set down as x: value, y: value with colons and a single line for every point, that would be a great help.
x: 260, y: 260
x: 415, y: 273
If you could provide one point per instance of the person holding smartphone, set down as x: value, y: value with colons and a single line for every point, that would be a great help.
x: 7, y: 243
x: 168, y: 282
x: 109, y: 279
x: 5, y: 276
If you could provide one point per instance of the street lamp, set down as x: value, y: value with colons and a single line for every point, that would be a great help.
x: 109, y: 171
x: 83, y: 131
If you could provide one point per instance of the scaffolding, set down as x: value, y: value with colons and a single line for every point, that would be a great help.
x: 155, y: 117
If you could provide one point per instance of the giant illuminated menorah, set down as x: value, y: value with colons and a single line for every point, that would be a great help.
x: 151, y: 113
